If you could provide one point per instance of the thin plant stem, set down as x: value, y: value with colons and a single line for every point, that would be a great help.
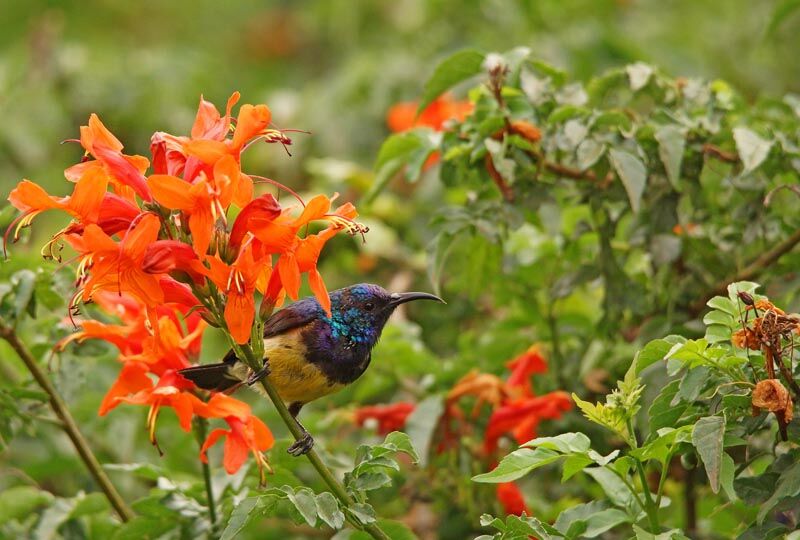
x: 201, y: 428
x: 69, y: 426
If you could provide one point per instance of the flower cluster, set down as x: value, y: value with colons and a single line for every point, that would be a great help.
x: 516, y: 411
x: 173, y: 243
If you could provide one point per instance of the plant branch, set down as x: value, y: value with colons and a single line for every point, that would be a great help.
x: 751, y: 271
x: 9, y: 334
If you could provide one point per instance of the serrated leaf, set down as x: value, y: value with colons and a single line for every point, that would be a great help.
x: 453, y: 70
x: 752, y: 149
x: 632, y: 173
x: 573, y: 465
x: 707, y: 437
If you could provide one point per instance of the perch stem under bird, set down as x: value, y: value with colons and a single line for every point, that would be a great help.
x: 309, y: 354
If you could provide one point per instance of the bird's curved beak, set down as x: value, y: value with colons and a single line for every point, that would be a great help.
x: 395, y: 299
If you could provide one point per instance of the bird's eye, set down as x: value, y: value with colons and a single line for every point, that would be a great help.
x: 369, y: 306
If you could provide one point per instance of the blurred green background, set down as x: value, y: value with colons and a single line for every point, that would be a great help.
x: 332, y: 68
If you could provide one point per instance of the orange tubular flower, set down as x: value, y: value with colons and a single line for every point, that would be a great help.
x: 118, y: 267
x: 246, y: 434
x: 238, y: 281
x: 251, y: 122
x: 169, y: 392
x: 168, y: 349
x: 126, y: 172
x: 300, y: 255
x: 403, y: 116
x: 388, y: 417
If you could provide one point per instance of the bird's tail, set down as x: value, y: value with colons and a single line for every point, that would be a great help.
x: 215, y: 377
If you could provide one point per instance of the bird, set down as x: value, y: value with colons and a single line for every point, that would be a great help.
x: 308, y: 353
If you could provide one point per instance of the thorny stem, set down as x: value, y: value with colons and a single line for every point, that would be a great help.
x: 201, y: 425
x: 69, y: 426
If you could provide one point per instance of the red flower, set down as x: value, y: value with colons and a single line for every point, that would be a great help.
x: 522, y: 367
x: 521, y: 417
x: 511, y: 499
x: 388, y: 417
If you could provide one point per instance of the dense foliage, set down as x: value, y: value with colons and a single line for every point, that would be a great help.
x: 605, y: 366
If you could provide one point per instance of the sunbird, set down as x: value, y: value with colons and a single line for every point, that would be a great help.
x: 307, y: 354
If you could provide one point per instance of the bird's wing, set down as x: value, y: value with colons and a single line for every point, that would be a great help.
x: 293, y: 316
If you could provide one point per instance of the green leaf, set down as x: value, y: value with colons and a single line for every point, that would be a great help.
x: 393, y: 529
x: 614, y: 487
x: 752, y: 149
x: 781, y: 12
x: 19, y: 501
x: 328, y: 510
x: 242, y: 515
x: 788, y: 486
x: 403, y: 443
x: 362, y: 511
x: 724, y: 304
x: 145, y: 528
x: 565, y: 443
x: 707, y: 438
x: 24, y: 283
x: 517, y: 464
x: 653, y: 352
x: 662, y: 413
x: 303, y: 499
x: 573, y: 465
x: 589, y: 520
x: 632, y: 173
x: 671, y: 142
x: 142, y: 470
x: 421, y: 425
x: 453, y: 70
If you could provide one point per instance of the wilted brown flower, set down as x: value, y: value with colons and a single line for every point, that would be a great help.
x: 745, y: 338
x: 771, y: 395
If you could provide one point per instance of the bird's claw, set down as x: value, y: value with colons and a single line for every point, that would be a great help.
x: 258, y: 375
x: 302, y: 446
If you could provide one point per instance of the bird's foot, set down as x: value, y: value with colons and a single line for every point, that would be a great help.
x: 302, y: 446
x: 258, y: 375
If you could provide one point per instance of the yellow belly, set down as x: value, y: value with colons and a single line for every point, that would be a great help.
x: 294, y: 377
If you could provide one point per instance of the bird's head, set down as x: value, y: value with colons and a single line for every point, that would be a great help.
x: 360, y: 312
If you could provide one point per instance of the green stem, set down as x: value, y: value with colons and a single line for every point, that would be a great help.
x: 651, y: 508
x: 661, y: 480
x: 245, y: 353
x: 69, y: 426
x: 201, y: 426
x: 630, y: 487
